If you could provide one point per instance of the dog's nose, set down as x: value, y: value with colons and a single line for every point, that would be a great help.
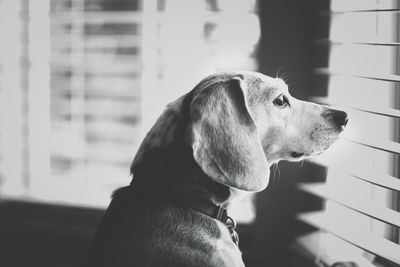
x: 338, y: 117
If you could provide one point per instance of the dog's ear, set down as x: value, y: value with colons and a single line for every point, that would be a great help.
x: 225, y: 140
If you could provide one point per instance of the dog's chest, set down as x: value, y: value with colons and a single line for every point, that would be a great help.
x: 193, y: 239
x: 227, y: 252
x: 207, y: 242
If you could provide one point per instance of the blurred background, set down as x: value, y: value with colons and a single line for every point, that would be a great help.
x: 82, y: 81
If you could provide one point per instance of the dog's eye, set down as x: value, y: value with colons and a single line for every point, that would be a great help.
x: 281, y: 101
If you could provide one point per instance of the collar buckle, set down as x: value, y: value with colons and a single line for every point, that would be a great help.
x: 221, y: 214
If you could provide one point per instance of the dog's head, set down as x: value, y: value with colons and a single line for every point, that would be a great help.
x: 242, y: 122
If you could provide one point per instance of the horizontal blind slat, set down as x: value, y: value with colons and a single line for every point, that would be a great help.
x: 380, y: 213
x: 348, y: 5
x: 380, y: 179
x: 96, y: 17
x: 326, y: 41
x: 368, y: 242
x: 340, y: 12
x: 384, y: 145
x: 114, y: 68
x: 381, y: 77
x: 389, y: 112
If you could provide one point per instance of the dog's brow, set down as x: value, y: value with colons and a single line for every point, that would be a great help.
x: 277, y: 87
x: 281, y: 84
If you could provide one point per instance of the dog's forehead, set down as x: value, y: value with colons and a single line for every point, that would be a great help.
x: 258, y: 85
x: 260, y: 82
x: 280, y: 84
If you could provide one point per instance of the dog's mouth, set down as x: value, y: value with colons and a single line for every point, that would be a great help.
x: 312, y: 153
x: 296, y: 155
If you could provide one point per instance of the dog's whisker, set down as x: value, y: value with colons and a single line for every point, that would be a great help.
x: 276, y: 177
x: 302, y: 163
x: 284, y: 75
x: 278, y: 74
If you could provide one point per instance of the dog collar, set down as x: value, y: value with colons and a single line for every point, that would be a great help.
x: 215, y: 211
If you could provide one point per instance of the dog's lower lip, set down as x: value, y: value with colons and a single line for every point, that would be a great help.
x: 296, y: 154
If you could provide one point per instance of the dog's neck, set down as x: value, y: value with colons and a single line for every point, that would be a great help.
x: 173, y: 174
x: 164, y: 166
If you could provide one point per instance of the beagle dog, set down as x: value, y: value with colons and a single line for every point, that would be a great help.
x: 216, y: 140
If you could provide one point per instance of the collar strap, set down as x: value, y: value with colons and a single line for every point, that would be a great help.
x: 206, y: 207
x: 215, y: 211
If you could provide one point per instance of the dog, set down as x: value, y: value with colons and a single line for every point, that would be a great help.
x: 217, y: 140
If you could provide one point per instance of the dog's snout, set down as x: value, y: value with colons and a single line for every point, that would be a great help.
x: 338, y: 117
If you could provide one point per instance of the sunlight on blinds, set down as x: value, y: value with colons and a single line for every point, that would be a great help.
x: 39, y: 94
x: 87, y: 78
x: 12, y: 96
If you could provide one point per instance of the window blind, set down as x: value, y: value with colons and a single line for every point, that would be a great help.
x: 84, y: 97
x: 85, y: 79
x: 360, y: 218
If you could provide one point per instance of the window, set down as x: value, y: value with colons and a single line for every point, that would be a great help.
x: 360, y: 218
x: 85, y: 79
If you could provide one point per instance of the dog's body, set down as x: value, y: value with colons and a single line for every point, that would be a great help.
x: 222, y: 136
